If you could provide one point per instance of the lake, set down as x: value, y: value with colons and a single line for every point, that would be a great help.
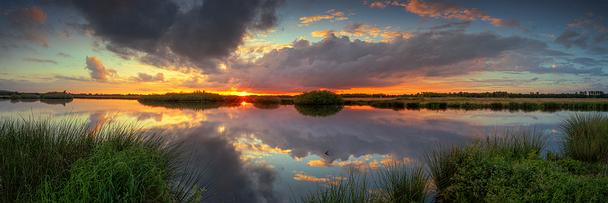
x: 278, y: 153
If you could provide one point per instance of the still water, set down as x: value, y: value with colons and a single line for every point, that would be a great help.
x: 279, y: 153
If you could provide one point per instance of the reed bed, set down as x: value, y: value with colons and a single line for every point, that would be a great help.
x: 511, y: 167
x: 44, y: 160
x: 393, y: 183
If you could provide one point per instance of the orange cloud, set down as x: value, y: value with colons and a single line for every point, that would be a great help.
x: 360, y: 30
x: 252, y: 147
x: 97, y: 70
x: 332, y: 14
x: 377, y: 4
x: 301, y: 176
x: 443, y: 10
x: 362, y: 163
x: 317, y: 163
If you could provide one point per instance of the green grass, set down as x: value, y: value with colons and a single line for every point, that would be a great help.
x: 587, y: 138
x: 510, y: 168
x: 113, y: 174
x: 394, y: 183
x: 397, y: 183
x: 65, y: 160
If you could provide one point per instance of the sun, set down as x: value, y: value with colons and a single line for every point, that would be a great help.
x: 242, y: 94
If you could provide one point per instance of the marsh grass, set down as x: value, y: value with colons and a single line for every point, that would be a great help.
x: 515, y: 144
x: 67, y: 160
x: 393, y: 183
x: 398, y: 183
x: 352, y: 189
x: 444, y: 163
x: 586, y: 137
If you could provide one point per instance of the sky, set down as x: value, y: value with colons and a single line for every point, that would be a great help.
x: 290, y: 46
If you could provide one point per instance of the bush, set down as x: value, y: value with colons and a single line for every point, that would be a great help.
x: 586, y: 138
x: 321, y: 97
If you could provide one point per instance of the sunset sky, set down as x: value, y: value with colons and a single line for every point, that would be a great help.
x: 276, y: 46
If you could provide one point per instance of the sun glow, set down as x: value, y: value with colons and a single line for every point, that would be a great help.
x: 242, y: 94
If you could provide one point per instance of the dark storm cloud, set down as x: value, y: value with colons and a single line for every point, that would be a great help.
x: 28, y: 23
x: 137, y: 24
x: 589, y: 33
x: 200, y: 35
x: 338, y: 62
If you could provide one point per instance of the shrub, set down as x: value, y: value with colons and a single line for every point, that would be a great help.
x: 321, y: 97
x: 586, y: 137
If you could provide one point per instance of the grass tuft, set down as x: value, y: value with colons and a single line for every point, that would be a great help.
x: 586, y: 137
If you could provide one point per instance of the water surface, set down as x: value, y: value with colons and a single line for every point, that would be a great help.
x: 278, y: 153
